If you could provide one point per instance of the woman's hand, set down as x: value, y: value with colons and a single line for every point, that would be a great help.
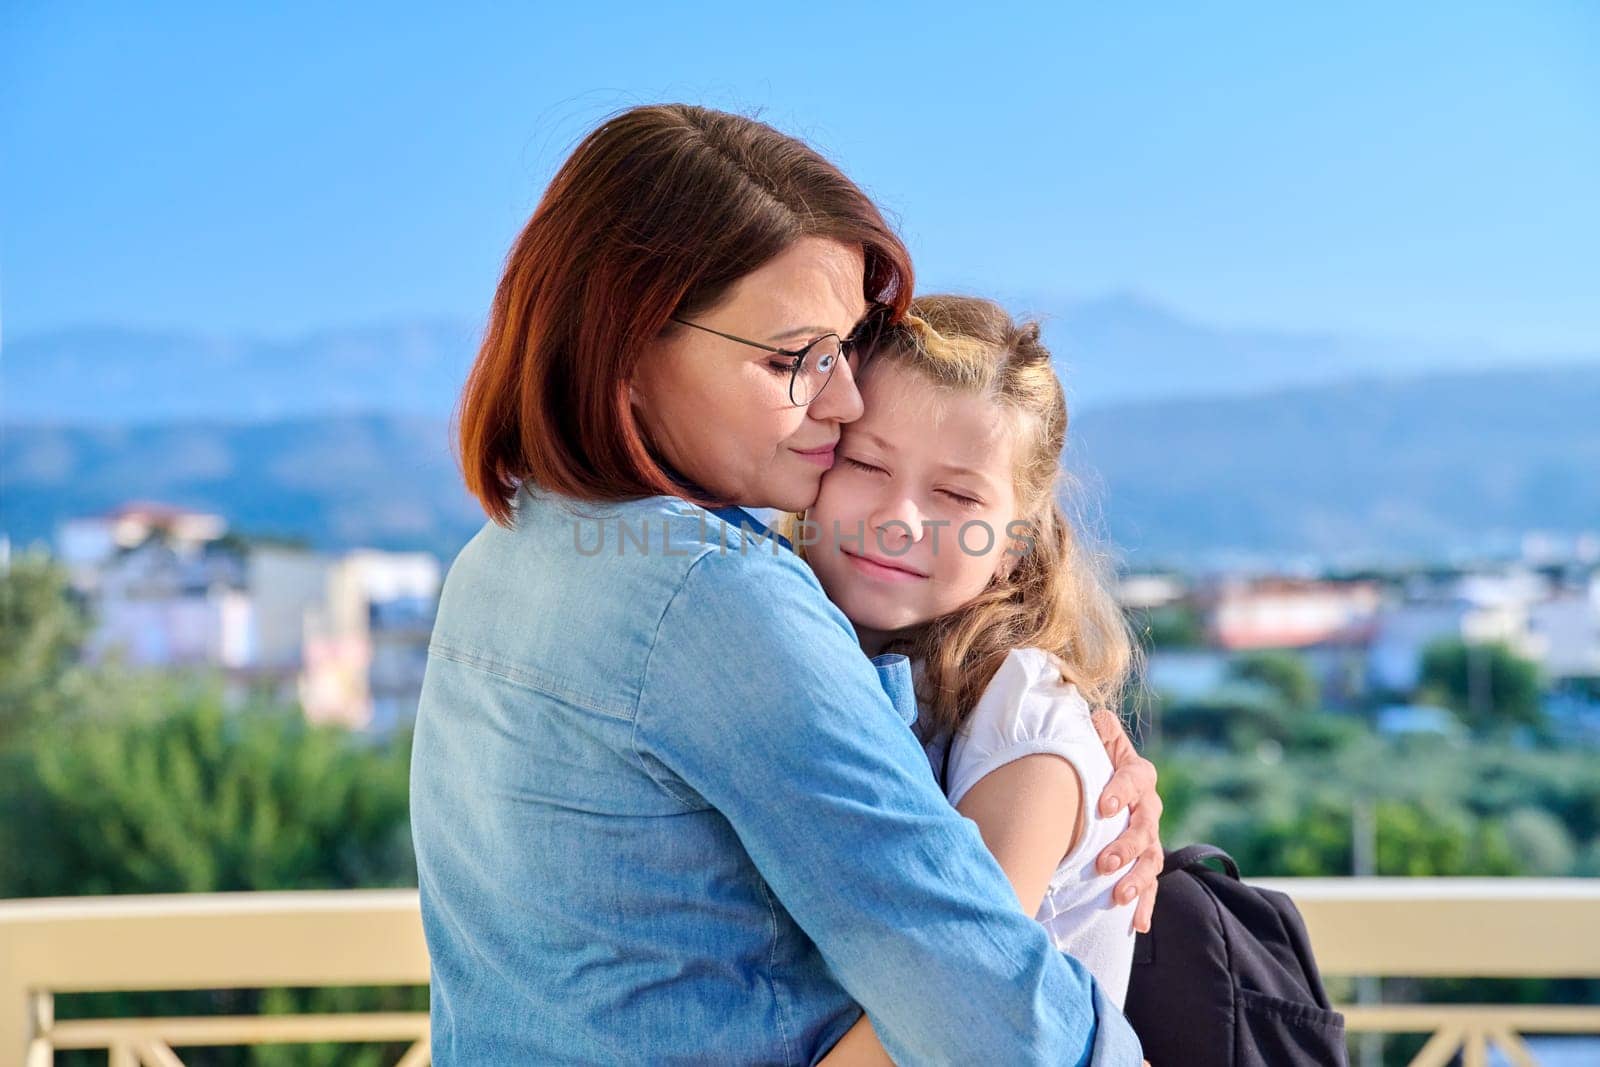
x: 1132, y: 786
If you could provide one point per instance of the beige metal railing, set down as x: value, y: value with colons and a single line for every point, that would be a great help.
x: 1370, y: 927
x: 205, y: 941
x: 1456, y: 928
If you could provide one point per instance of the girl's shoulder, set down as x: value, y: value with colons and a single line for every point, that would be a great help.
x: 1027, y: 708
x: 1031, y: 692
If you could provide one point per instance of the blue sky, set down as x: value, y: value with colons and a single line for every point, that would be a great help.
x: 1422, y: 170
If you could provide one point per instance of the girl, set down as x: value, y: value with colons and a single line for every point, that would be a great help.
x: 937, y: 532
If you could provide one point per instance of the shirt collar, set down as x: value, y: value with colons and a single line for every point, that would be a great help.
x: 738, y: 517
x: 732, y: 514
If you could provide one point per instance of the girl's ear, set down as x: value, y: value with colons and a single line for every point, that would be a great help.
x: 1010, y: 556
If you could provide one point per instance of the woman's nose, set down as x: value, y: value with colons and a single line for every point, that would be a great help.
x: 840, y: 400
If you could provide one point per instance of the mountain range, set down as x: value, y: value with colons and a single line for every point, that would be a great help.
x: 1423, y: 466
x: 1117, y: 349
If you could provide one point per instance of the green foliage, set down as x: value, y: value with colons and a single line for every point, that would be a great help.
x: 1285, y: 673
x: 1482, y: 810
x: 1236, y: 717
x: 1170, y: 626
x: 1489, y: 686
x: 173, y: 793
x: 41, y: 630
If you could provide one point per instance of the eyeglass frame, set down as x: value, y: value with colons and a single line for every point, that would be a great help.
x: 870, y: 323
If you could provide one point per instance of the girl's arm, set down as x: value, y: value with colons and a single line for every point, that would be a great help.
x: 1029, y: 849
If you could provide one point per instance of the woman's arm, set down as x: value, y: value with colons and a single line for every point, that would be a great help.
x: 1028, y: 850
x: 1132, y: 786
x: 758, y: 702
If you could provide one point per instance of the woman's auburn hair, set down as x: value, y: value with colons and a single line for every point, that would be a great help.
x: 656, y: 213
x: 1057, y: 596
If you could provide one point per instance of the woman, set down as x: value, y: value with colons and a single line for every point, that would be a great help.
x: 664, y: 809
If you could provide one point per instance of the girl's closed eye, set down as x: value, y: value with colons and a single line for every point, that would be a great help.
x: 859, y: 465
x: 962, y: 499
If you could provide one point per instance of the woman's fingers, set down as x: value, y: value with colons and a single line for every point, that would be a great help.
x: 1133, y: 785
x: 1141, y: 881
x: 1134, y: 777
x: 1142, y: 836
x: 1146, y: 908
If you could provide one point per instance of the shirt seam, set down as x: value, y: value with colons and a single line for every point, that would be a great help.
x: 772, y: 968
x: 644, y: 682
x: 538, y: 681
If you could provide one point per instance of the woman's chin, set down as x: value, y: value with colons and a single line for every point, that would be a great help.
x: 795, y: 494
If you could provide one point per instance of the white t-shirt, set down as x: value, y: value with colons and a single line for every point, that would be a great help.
x: 1029, y: 708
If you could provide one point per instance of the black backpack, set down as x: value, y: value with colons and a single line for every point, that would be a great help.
x: 1225, y: 977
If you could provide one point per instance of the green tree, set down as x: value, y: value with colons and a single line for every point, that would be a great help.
x: 1285, y: 673
x: 1236, y: 716
x: 177, y: 794
x: 1170, y: 626
x: 41, y: 631
x: 1491, y: 687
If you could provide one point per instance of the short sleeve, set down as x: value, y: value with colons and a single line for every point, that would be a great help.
x: 1028, y: 708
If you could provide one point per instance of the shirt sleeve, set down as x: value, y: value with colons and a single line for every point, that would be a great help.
x: 1026, y: 709
x: 757, y: 697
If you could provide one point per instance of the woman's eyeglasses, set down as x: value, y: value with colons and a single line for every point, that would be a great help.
x: 812, y: 367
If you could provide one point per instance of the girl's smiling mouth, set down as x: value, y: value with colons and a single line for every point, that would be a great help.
x: 886, y: 570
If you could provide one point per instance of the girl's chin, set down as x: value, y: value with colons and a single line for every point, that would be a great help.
x: 869, y: 612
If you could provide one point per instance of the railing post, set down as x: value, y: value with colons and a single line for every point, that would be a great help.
x: 16, y: 1016
x: 41, y: 1018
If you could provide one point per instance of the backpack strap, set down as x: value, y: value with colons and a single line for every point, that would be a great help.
x: 1195, y: 855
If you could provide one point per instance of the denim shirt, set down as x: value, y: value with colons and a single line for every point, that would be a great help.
x: 665, y: 811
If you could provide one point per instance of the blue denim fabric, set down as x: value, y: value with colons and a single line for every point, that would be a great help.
x: 665, y: 812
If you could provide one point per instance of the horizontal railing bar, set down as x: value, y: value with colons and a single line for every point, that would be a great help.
x: 1426, y: 1018
x: 241, y: 1029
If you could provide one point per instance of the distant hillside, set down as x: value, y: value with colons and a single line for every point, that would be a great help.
x: 389, y: 481
x: 1426, y: 466
x: 1118, y: 349
x: 1124, y: 348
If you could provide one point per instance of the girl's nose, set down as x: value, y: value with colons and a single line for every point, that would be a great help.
x: 898, y: 524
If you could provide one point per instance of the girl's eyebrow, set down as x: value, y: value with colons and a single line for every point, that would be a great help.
x: 875, y: 439
x: 971, y: 472
x: 985, y: 482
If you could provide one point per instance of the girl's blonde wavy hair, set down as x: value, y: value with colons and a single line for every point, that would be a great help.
x: 1057, y: 595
